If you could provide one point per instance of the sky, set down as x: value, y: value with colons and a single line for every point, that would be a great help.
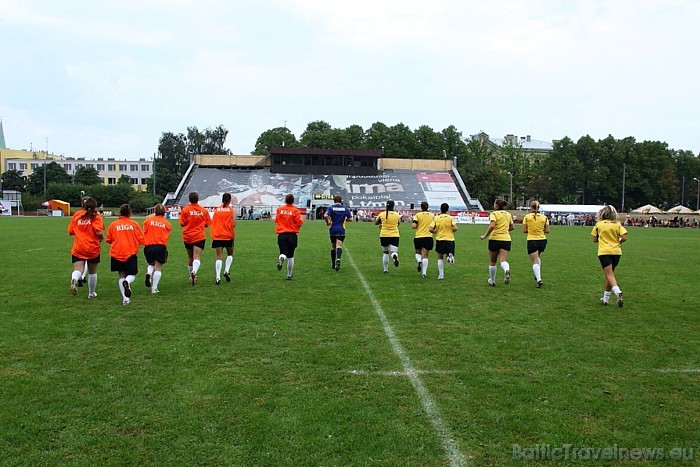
x: 108, y: 78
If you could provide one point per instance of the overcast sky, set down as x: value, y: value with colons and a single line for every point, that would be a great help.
x: 107, y: 78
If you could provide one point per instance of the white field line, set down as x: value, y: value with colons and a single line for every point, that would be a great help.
x: 448, y: 443
x: 678, y: 370
x: 400, y: 373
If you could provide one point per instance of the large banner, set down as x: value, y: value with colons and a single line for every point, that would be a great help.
x: 262, y: 188
x: 5, y: 208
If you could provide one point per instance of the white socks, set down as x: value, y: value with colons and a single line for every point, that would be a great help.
x: 385, y: 262
x: 217, y: 266
x: 616, y: 290
x: 418, y: 258
x: 492, y: 273
x: 155, y: 279
x: 75, y: 276
x: 92, y: 283
x: 424, y: 265
x: 195, y: 265
x: 229, y: 261
x: 290, y: 266
x: 505, y: 266
x: 536, y: 270
x: 441, y: 267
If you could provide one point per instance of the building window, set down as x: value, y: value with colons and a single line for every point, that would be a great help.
x: 67, y: 167
x: 134, y: 181
x: 34, y: 166
x: 144, y: 168
x: 23, y: 166
x: 111, y: 166
x: 134, y: 167
x: 111, y: 181
x: 90, y: 166
x: 100, y: 166
x: 12, y: 166
x: 122, y: 167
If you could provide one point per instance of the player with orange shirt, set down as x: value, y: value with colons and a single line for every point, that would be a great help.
x: 87, y: 227
x: 288, y: 220
x: 222, y: 232
x: 194, y: 219
x: 125, y: 235
x: 156, y: 232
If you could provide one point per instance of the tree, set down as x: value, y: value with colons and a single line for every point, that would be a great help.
x: 54, y: 174
x: 124, y: 180
x: 428, y: 143
x: 401, y: 142
x: 277, y: 137
x: 86, y: 176
x: 376, y: 137
x: 14, y: 180
x: 316, y: 135
x: 561, y: 171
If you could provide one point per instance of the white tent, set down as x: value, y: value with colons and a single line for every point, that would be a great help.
x: 571, y: 208
x: 680, y: 210
x: 646, y: 209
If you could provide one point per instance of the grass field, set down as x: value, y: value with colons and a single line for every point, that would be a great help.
x: 352, y: 367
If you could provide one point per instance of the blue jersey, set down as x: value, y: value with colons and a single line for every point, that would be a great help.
x: 337, y: 214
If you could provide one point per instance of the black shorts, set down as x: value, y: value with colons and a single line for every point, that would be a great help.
x: 420, y: 243
x: 536, y: 245
x: 200, y: 245
x: 445, y: 247
x: 287, y: 243
x: 386, y: 241
x: 335, y: 238
x: 222, y: 243
x: 130, y: 266
x: 95, y: 260
x: 497, y: 245
x: 607, y: 260
x: 155, y: 253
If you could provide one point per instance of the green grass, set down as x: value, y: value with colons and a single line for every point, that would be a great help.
x: 265, y: 371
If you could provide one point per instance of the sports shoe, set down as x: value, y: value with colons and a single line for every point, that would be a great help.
x: 419, y: 267
x: 620, y: 303
x: 127, y: 289
x: 396, y: 259
x: 441, y: 278
x: 155, y: 291
x: 289, y: 278
x: 279, y: 263
x: 227, y: 276
x: 73, y: 287
x: 126, y: 301
x: 193, y: 279
x: 492, y: 283
x: 507, y: 278
x: 424, y: 276
x: 451, y: 258
x: 80, y: 282
x: 539, y: 284
x: 218, y: 281
x: 337, y: 265
x: 603, y: 301
x: 148, y: 280
x: 92, y: 295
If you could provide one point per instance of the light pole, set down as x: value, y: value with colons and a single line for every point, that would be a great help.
x: 624, y: 175
x: 697, y: 200
x: 510, y: 200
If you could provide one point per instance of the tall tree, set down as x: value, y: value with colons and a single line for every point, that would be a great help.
x: 316, y: 135
x: 401, y: 142
x: 274, y: 138
x: 377, y: 137
x: 86, y: 176
x: 428, y: 143
x: 14, y: 180
x: 54, y: 174
x: 562, y: 170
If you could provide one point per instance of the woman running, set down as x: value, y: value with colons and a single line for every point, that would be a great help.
x: 125, y: 235
x: 608, y: 233
x: 222, y: 233
x: 87, y: 227
x: 536, y: 225
x: 501, y: 223
x: 388, y: 221
x: 156, y: 232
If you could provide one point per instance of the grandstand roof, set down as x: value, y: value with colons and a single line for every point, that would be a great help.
x: 325, y: 152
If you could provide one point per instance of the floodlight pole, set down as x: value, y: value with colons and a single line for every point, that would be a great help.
x: 45, y: 158
x: 697, y: 200
x: 624, y: 175
x: 510, y: 200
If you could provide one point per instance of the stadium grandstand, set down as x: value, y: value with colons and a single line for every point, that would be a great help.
x: 364, y: 179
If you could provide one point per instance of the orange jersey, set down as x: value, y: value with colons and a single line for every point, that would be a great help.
x: 194, y: 219
x: 125, y: 236
x: 156, y: 230
x: 288, y: 219
x: 88, y: 235
x: 222, y: 224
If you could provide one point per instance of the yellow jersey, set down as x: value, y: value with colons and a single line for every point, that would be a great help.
x: 608, y: 233
x: 390, y: 223
x: 443, y: 224
x: 503, y: 221
x: 535, y: 223
x: 423, y: 221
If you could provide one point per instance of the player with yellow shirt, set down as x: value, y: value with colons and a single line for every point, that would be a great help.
x: 423, y: 241
x: 388, y: 222
x: 500, y: 225
x: 536, y: 225
x: 609, y: 234
x: 444, y: 227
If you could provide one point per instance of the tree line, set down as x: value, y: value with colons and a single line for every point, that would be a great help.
x: 585, y: 171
